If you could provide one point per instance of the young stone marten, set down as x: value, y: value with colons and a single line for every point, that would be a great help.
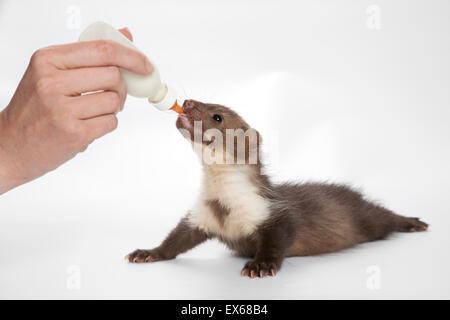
x: 256, y: 218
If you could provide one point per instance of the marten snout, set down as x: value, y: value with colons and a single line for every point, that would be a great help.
x: 188, y: 105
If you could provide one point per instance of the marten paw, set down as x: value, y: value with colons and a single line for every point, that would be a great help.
x: 140, y: 256
x: 259, y: 269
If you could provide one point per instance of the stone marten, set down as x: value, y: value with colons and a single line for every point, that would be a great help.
x: 258, y: 219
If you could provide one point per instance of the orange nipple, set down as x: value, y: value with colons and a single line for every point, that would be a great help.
x: 176, y: 107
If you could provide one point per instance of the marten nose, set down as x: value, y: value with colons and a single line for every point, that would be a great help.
x: 188, y: 105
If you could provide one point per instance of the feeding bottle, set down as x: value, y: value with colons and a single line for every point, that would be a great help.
x: 141, y: 86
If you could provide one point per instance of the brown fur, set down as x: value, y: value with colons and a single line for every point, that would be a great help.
x: 304, y: 219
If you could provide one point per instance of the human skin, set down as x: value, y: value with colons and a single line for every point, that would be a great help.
x: 48, y: 120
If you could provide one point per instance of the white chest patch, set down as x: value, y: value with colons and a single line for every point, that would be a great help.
x: 234, y: 190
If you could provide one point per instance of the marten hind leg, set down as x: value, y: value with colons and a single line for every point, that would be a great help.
x: 181, y: 239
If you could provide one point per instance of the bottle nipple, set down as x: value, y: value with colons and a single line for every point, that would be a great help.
x: 176, y: 107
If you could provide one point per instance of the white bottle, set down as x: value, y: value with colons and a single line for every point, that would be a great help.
x: 149, y: 86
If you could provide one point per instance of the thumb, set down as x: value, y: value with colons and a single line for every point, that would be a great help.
x: 126, y: 33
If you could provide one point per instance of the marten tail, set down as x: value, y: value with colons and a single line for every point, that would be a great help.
x: 378, y: 222
x: 408, y: 224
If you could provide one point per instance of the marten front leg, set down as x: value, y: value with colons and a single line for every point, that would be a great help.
x: 272, y: 243
x: 181, y: 239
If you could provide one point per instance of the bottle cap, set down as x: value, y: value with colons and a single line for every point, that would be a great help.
x: 168, y: 101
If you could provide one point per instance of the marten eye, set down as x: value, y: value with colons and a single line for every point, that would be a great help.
x: 217, y: 117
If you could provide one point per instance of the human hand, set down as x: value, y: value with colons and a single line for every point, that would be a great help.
x: 48, y: 120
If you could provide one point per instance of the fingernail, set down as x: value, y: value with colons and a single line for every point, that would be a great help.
x: 127, y: 33
x: 125, y: 29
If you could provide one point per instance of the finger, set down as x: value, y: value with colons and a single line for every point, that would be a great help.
x: 99, y: 53
x: 95, y: 104
x: 99, y: 126
x: 77, y: 81
x: 126, y: 33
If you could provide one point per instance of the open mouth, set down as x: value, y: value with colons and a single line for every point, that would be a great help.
x: 185, y: 122
x: 188, y: 118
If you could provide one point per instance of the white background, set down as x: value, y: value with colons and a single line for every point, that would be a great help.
x: 334, y: 100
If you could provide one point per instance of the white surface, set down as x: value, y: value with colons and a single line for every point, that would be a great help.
x: 333, y: 99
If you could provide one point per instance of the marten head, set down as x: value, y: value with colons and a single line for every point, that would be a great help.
x: 218, y: 134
